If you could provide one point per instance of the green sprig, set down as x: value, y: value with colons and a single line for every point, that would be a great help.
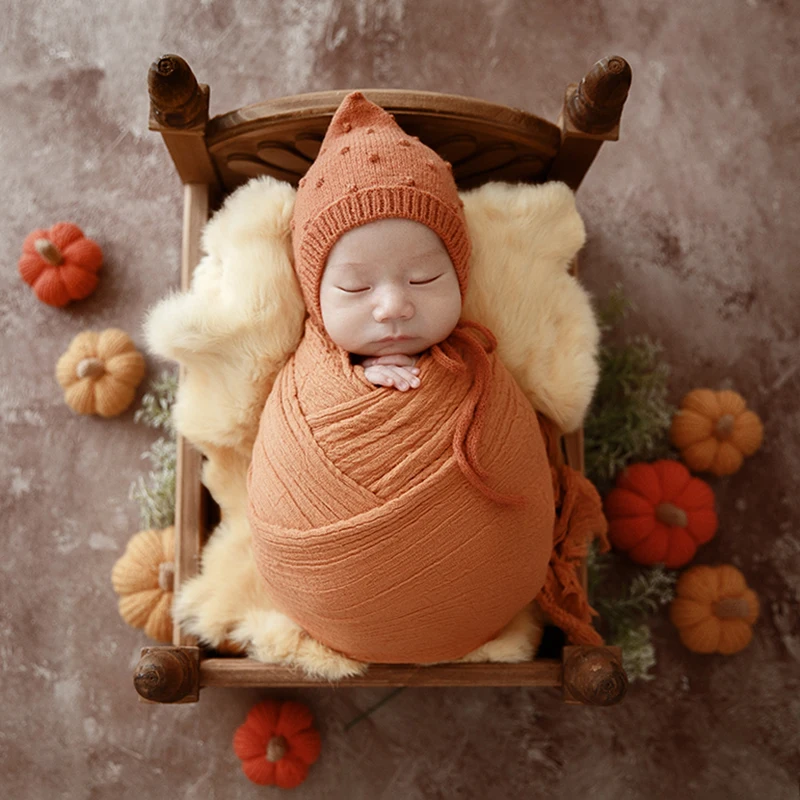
x: 155, y: 493
x: 625, y: 616
x: 627, y: 422
x: 629, y: 416
x: 647, y: 592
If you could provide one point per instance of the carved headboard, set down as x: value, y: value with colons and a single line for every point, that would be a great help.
x: 483, y: 141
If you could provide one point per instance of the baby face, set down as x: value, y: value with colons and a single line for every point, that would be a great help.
x: 389, y: 287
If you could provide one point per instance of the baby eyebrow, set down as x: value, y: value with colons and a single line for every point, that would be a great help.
x: 427, y: 254
x: 368, y: 264
x: 351, y: 273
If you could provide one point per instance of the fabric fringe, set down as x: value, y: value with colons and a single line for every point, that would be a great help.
x: 579, y: 520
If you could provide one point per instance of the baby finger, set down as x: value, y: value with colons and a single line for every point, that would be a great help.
x: 379, y: 376
x: 404, y: 379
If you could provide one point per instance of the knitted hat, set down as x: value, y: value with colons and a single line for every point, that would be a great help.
x: 369, y: 169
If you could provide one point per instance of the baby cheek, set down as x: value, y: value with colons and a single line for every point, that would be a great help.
x: 345, y: 325
x: 442, y: 315
x: 333, y: 316
x: 450, y: 309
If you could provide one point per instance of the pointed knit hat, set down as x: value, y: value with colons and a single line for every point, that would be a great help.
x: 368, y: 169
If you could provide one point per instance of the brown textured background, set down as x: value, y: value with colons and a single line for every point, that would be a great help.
x: 695, y: 210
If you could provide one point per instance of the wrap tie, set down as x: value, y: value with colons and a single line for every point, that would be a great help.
x: 470, y: 423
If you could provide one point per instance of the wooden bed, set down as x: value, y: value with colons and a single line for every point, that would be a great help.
x: 484, y: 141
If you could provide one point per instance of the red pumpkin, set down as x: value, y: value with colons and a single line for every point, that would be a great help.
x: 60, y: 264
x: 659, y: 514
x: 277, y: 743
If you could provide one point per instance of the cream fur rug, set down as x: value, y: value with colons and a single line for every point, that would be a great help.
x: 243, y: 317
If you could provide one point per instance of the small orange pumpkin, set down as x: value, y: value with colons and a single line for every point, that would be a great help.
x: 143, y: 577
x: 659, y: 514
x: 714, y: 431
x: 100, y: 372
x: 714, y: 610
x: 277, y: 743
x: 60, y: 264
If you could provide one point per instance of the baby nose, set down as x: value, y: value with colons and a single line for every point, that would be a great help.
x: 393, y: 303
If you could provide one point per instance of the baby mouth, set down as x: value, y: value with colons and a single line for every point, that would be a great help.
x: 395, y: 338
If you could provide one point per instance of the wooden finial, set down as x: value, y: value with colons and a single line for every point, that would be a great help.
x: 593, y: 675
x: 596, y: 106
x: 168, y: 674
x: 176, y: 99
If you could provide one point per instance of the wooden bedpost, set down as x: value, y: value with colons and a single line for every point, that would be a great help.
x: 179, y: 112
x: 590, y: 116
x: 593, y: 676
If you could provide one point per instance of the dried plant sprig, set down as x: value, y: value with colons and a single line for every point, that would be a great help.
x: 638, y: 653
x: 157, y: 403
x: 625, y: 616
x: 155, y: 492
x: 647, y: 592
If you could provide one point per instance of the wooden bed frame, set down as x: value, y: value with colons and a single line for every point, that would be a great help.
x: 484, y: 141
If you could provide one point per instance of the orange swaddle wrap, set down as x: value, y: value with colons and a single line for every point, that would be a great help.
x: 407, y: 526
x: 366, y: 529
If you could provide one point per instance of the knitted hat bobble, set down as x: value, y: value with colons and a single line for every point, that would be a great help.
x: 369, y: 169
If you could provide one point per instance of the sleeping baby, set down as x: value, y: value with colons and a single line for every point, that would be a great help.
x: 388, y: 292
x: 394, y: 526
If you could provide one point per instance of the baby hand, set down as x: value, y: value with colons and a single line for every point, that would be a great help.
x: 395, y: 370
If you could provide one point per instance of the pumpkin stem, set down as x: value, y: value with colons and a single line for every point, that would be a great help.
x: 49, y: 252
x: 166, y: 576
x: 276, y: 749
x: 90, y: 368
x: 724, y: 427
x: 731, y: 608
x: 671, y: 515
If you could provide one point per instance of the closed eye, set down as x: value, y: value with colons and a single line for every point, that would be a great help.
x: 429, y: 280
x: 353, y: 291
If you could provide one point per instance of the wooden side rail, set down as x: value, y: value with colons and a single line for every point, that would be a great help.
x: 246, y: 672
x: 588, y: 675
x: 189, y: 497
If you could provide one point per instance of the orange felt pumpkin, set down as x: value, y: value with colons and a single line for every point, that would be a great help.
x: 714, y: 431
x: 277, y: 743
x: 100, y: 372
x: 60, y: 264
x: 143, y: 578
x: 714, y: 610
x: 658, y: 513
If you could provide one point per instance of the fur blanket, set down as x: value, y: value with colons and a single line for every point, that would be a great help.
x: 242, y: 318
